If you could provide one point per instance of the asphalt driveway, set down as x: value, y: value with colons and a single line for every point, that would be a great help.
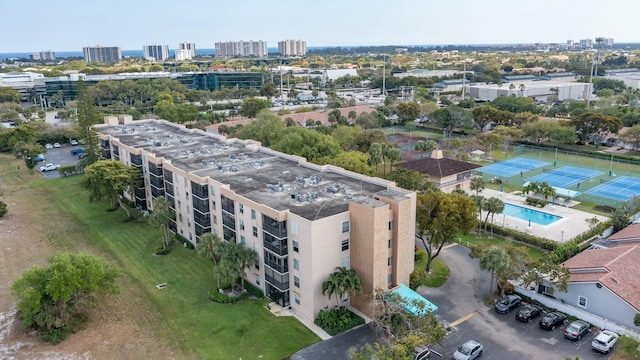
x: 61, y: 156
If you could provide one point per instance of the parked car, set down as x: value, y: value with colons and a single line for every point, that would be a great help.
x: 528, y: 312
x: 56, y: 145
x: 74, y: 142
x: 421, y: 352
x: 469, y: 351
x: 551, y: 320
x: 576, y: 330
x: 48, y: 146
x: 40, y: 157
x: 604, y: 341
x: 82, y: 155
x: 49, y: 167
x: 508, y: 303
x: 77, y: 151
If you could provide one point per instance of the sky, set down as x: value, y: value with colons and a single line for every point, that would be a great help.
x: 69, y: 25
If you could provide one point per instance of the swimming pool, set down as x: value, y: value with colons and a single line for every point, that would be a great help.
x: 535, y: 216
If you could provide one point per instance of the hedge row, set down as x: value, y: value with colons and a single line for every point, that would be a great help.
x: 525, y: 238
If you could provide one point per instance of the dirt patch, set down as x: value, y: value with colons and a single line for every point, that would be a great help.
x: 120, y: 328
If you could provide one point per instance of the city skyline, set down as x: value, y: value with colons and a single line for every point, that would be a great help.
x: 68, y: 25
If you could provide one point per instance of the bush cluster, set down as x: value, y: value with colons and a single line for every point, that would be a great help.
x: 536, y: 202
x: 184, y: 241
x: 337, y: 320
x: 525, y: 238
x: 223, y: 298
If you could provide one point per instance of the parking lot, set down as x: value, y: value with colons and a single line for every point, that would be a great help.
x: 502, y: 336
x: 61, y: 156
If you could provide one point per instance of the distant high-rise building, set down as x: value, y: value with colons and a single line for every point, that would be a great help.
x: 292, y: 47
x: 586, y: 43
x: 608, y: 42
x: 570, y: 44
x: 188, y: 46
x: 241, y: 48
x: 156, y: 52
x: 183, y: 54
x: 102, y: 54
x: 43, y: 55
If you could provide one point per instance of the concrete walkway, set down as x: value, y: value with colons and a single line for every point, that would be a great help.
x: 573, y: 221
x: 278, y: 310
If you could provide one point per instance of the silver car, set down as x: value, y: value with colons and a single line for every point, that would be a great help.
x: 469, y: 351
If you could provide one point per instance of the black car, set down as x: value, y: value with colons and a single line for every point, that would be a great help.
x: 508, y: 303
x: 552, y: 320
x: 528, y: 312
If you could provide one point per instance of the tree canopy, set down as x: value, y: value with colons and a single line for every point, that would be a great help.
x: 109, y: 180
x: 54, y: 299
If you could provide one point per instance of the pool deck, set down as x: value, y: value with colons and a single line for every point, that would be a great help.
x: 572, y: 223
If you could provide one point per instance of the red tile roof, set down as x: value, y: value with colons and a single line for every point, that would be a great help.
x: 630, y: 233
x: 616, y: 268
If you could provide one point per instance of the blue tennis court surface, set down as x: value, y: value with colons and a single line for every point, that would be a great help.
x: 565, y: 176
x: 622, y: 188
x: 512, y: 167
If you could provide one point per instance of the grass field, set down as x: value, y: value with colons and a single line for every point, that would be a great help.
x: 439, y: 272
x: 473, y: 239
x: 180, y: 314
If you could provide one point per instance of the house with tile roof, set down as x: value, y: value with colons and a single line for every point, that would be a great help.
x: 447, y: 174
x: 605, y: 283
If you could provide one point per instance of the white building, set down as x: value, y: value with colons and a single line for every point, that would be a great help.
x: 292, y: 47
x: 630, y: 77
x: 241, y: 48
x: 191, y: 47
x: 183, y: 54
x: 43, y: 55
x: 538, y: 90
x: 156, y: 52
x: 102, y: 54
x: 425, y: 73
x: 23, y: 82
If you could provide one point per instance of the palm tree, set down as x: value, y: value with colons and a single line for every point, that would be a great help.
x: 511, y: 87
x: 494, y: 260
x: 495, y: 206
x: 340, y: 282
x: 246, y: 258
x: 479, y: 201
x: 331, y: 286
x: 375, y: 154
x: 522, y: 87
x: 209, y: 248
x: 161, y: 216
x: 477, y: 184
x: 425, y: 146
x: 393, y: 154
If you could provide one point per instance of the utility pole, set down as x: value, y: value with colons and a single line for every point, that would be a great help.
x: 384, y: 70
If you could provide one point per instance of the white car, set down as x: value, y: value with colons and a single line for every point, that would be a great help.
x: 469, y: 351
x: 74, y: 142
x: 49, y: 167
x: 56, y: 145
x: 604, y: 341
x: 48, y: 146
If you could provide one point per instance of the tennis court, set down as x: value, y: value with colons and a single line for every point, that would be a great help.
x: 512, y: 167
x: 565, y: 176
x: 622, y: 189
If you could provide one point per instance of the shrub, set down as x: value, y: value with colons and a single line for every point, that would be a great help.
x: 337, y: 320
x: 417, y: 279
x: 186, y: 243
x: 222, y: 298
x: 252, y: 290
x: 161, y: 251
x: 525, y: 238
x: 605, y: 208
x: 419, y: 255
x: 3, y: 208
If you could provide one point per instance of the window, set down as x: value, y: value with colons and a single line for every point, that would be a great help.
x: 179, y: 203
x: 389, y: 278
x: 296, y: 298
x: 345, y: 244
x: 243, y: 240
x: 253, y: 214
x: 345, y: 227
x: 213, y: 204
x: 257, y: 280
x: 241, y: 208
x: 295, y: 246
x: 294, y: 228
x: 390, y: 243
x: 390, y: 260
x: 188, y: 223
x: 582, y: 301
x: 213, y: 190
x: 296, y: 281
x: 241, y: 224
x: 345, y: 262
x: 296, y: 264
x: 390, y: 225
x: 180, y: 216
x: 255, y: 231
x: 257, y: 264
x: 215, y: 219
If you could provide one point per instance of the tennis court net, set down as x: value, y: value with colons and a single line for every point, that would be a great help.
x: 519, y: 165
x: 566, y: 174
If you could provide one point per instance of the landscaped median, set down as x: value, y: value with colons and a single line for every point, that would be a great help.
x: 191, y: 324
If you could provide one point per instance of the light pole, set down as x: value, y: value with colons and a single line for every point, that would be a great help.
x: 561, y: 235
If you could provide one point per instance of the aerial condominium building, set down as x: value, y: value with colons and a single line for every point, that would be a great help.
x: 102, y: 54
x: 302, y: 219
x: 241, y: 49
x: 156, y: 52
x: 190, y: 47
x: 292, y: 47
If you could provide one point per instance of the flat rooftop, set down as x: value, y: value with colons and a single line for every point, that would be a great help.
x: 279, y: 181
x: 543, y: 84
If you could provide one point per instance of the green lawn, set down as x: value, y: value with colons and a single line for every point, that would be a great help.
x: 439, y: 272
x: 190, y: 323
x: 472, y: 239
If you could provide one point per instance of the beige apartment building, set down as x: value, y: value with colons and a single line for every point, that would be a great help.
x: 302, y: 219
